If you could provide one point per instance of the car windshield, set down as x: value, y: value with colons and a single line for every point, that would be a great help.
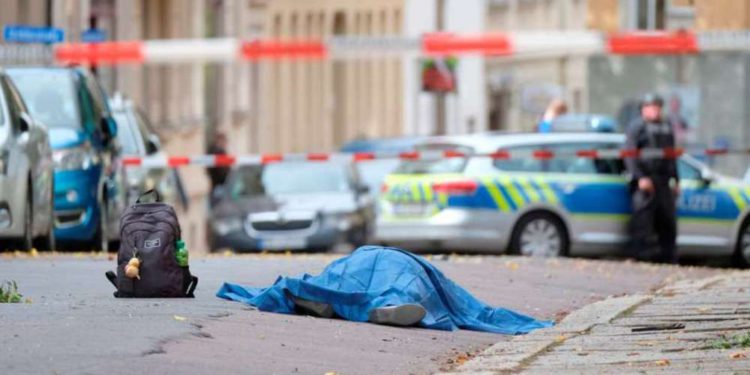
x: 290, y: 178
x: 50, y: 96
x: 127, y: 136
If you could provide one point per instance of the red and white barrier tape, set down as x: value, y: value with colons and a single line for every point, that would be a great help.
x: 541, y: 154
x: 434, y: 44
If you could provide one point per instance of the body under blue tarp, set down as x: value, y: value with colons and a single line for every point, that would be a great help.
x: 375, y: 276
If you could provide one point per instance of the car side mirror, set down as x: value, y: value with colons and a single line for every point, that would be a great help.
x: 24, y: 123
x: 109, y: 129
x: 363, y: 189
x: 153, y: 144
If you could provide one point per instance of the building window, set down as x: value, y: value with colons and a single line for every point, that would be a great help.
x: 339, y: 23
x: 645, y: 14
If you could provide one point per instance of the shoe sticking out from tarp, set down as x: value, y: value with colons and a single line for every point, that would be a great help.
x: 401, y: 315
x: 319, y: 309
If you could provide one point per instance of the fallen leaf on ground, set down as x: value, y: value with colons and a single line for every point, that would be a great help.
x: 512, y: 265
x: 461, y: 359
x: 662, y: 362
x: 179, y: 318
x: 646, y: 343
x: 738, y: 355
x: 560, y: 339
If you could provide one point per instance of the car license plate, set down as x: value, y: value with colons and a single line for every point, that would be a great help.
x: 413, y: 209
x: 282, y: 243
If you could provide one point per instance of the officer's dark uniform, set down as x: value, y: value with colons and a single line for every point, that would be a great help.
x: 653, y: 210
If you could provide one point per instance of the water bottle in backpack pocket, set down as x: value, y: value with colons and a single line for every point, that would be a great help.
x: 152, y: 260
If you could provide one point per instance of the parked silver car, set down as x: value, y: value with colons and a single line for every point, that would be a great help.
x: 26, y: 175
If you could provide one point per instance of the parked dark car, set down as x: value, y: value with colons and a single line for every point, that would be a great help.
x: 291, y: 206
x: 373, y: 172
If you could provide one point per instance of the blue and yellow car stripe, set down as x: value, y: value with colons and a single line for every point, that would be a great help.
x: 585, y: 197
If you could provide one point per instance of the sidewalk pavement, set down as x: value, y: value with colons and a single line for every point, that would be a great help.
x: 688, y: 327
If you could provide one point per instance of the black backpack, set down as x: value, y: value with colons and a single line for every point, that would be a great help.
x: 149, y: 232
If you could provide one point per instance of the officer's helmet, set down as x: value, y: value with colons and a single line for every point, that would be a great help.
x: 652, y: 98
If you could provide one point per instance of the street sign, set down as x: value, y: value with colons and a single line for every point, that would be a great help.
x: 32, y: 34
x: 93, y: 36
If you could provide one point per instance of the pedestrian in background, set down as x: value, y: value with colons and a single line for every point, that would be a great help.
x: 555, y: 109
x: 655, y: 184
x: 218, y: 175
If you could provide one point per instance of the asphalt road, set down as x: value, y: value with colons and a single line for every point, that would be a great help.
x: 73, y: 325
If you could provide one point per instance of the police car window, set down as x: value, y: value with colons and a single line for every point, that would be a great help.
x: 686, y: 171
x: 566, y: 161
x: 521, y: 164
x: 437, y: 165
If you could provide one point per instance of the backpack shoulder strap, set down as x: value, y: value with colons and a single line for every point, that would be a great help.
x: 151, y: 191
x: 191, y: 288
x: 112, y: 277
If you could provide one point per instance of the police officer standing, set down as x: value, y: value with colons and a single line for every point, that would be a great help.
x: 654, y: 185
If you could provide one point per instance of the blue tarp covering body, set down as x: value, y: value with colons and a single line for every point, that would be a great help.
x: 375, y: 276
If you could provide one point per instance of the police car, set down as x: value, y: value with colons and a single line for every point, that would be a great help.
x: 556, y: 206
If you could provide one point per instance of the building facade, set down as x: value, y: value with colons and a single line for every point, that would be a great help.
x: 309, y: 105
x: 185, y: 103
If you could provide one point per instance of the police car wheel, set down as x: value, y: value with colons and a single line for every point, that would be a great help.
x: 540, y: 234
x: 742, y: 254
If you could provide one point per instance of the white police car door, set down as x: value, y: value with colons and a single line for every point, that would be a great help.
x: 594, y: 193
x: 706, y: 211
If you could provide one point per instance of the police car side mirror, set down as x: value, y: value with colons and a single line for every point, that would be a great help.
x: 707, y: 177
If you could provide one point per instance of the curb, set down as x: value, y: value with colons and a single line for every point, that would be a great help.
x: 512, y: 355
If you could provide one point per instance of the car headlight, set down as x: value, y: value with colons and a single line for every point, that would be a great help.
x: 224, y: 226
x: 4, y: 156
x: 82, y: 157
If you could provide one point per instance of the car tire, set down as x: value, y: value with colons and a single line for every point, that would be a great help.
x: 540, y: 234
x: 48, y: 242
x: 27, y: 241
x: 742, y: 249
x: 101, y: 239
